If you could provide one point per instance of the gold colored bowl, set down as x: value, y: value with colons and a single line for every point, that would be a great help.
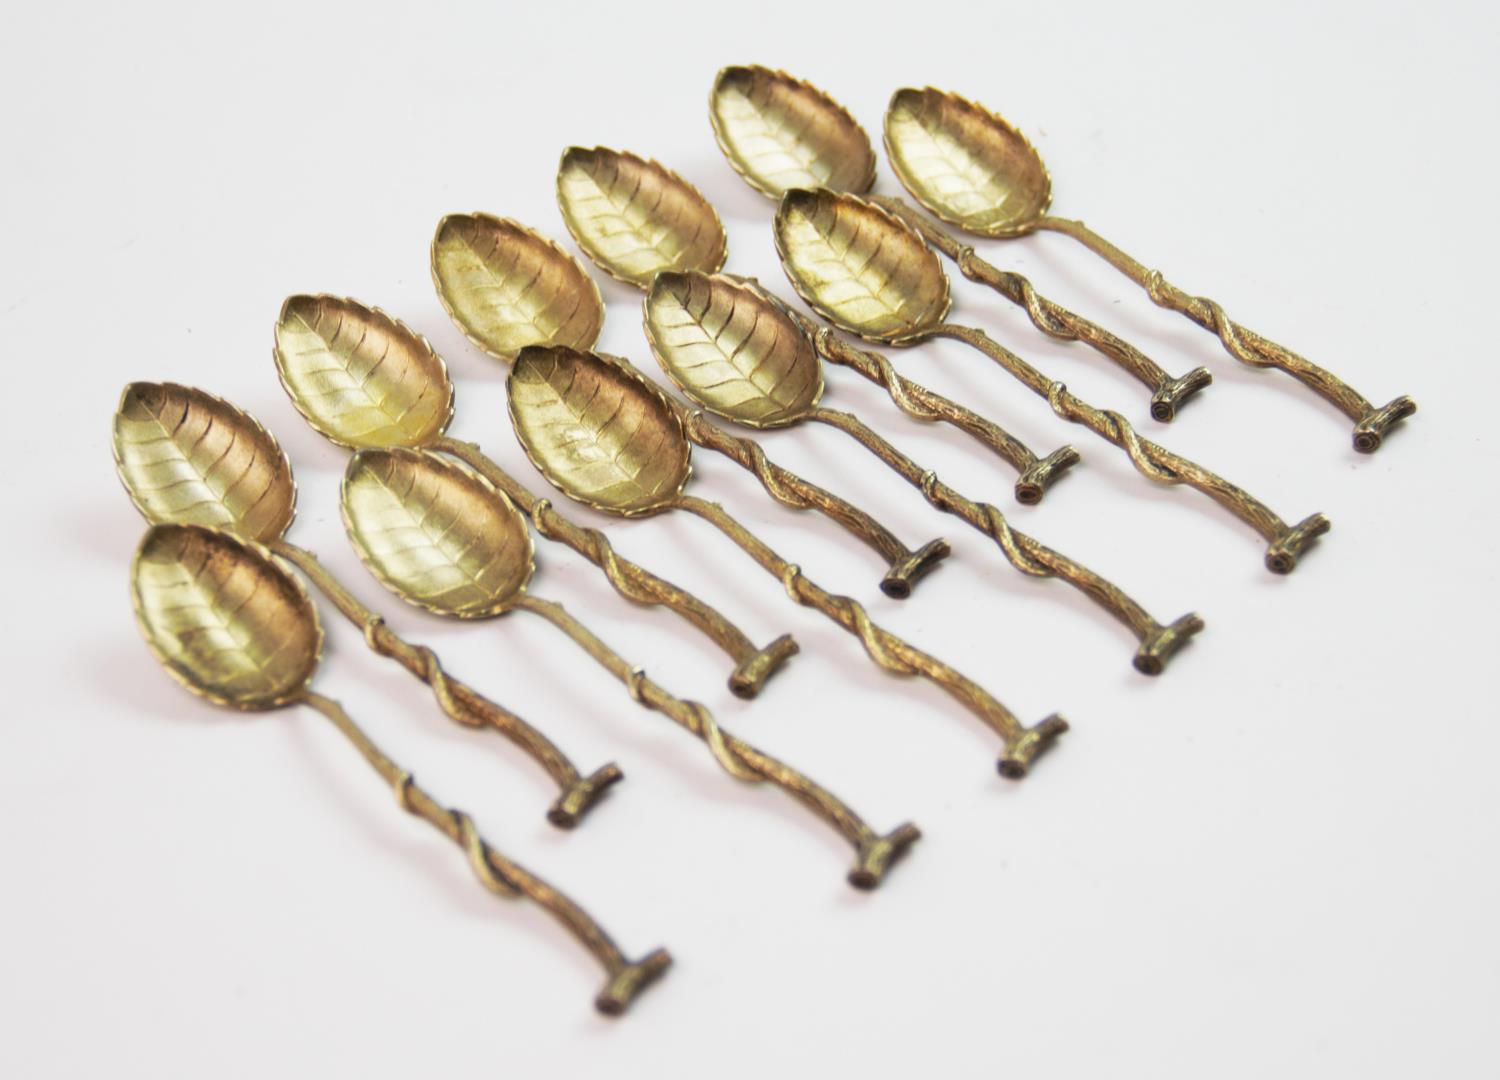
x: 635, y: 218
x: 781, y: 133
x: 965, y: 164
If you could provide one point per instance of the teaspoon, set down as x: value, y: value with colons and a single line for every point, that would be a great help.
x: 973, y: 169
x: 781, y: 133
x: 871, y: 274
x: 363, y: 379
x: 232, y: 626
x: 634, y: 218
x: 187, y: 457
x: 442, y: 537
x: 499, y: 280
x: 608, y: 437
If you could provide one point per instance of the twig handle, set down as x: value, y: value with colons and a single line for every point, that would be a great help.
x: 1285, y: 543
x: 1168, y: 393
x: 905, y: 566
x: 1036, y: 474
x: 501, y: 876
x: 874, y: 853
x: 1370, y: 423
x: 1024, y: 553
x: 1022, y: 744
x: 459, y: 701
x: 753, y: 666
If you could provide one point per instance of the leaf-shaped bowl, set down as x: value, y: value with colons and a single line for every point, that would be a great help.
x: 187, y: 457
x: 434, y: 533
x: 636, y: 218
x: 965, y: 164
x: 731, y: 349
x: 863, y: 268
x: 508, y: 287
x: 360, y: 377
x: 781, y: 133
x: 223, y: 618
x: 598, y: 430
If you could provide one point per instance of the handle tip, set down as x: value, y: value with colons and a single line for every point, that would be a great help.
x: 877, y: 856
x: 1020, y: 754
x: 1162, y: 643
x: 1033, y: 483
x: 625, y: 984
x: 581, y: 796
x: 1282, y: 555
x: 1369, y: 433
x: 1174, y: 393
x: 904, y: 575
x: 750, y: 677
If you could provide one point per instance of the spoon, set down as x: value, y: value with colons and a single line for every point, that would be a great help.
x: 608, y: 437
x: 869, y: 273
x: 363, y: 379
x: 623, y: 231
x: 189, y: 458
x: 740, y: 354
x: 442, y: 537
x: 494, y: 321
x: 781, y: 133
x: 504, y: 284
x: 973, y: 169
x: 231, y: 625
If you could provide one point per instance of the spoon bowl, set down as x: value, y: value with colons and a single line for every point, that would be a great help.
x: 508, y: 287
x: 598, y: 430
x: 360, y: 377
x: 968, y: 166
x: 732, y: 350
x: 187, y: 457
x: 223, y: 619
x: 860, y: 267
x: 781, y: 133
x: 435, y: 533
x: 600, y: 193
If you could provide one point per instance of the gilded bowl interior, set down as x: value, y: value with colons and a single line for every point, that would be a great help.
x: 223, y: 618
x: 360, y: 377
x: 731, y: 349
x: 189, y: 458
x: 435, y: 533
x: 781, y: 133
x: 508, y: 287
x: 965, y: 164
x: 598, y: 430
x: 636, y: 218
x: 859, y: 266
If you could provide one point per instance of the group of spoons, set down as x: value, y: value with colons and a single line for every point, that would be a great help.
x: 219, y: 589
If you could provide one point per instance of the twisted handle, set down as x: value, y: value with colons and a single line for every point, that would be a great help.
x: 1024, y: 553
x: 1036, y: 475
x: 1168, y: 393
x: 874, y: 853
x: 1285, y: 543
x: 1022, y: 745
x: 905, y: 566
x: 753, y: 666
x: 459, y: 701
x: 1370, y: 423
x: 503, y: 877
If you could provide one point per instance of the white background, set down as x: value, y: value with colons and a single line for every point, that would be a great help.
x: 1278, y: 859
